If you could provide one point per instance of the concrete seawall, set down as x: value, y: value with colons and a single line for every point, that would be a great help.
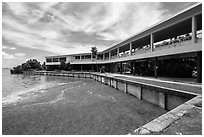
x: 163, y: 97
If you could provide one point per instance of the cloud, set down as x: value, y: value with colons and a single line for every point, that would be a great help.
x: 7, y: 56
x: 10, y: 48
x: 19, y: 54
x: 49, y: 26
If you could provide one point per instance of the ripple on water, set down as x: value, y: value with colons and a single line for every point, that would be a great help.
x: 23, y: 95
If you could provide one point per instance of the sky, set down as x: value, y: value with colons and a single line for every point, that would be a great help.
x: 33, y: 30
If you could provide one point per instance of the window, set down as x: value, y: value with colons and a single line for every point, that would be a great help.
x: 55, y: 59
x: 63, y: 59
x: 77, y: 57
x: 48, y: 60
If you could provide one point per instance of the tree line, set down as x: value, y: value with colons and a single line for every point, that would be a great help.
x: 31, y: 64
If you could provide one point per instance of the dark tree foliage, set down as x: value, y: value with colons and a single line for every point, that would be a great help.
x: 65, y: 66
x: 31, y: 64
x: 94, y: 52
x: 43, y: 66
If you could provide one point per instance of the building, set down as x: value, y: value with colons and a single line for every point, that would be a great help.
x: 178, y: 37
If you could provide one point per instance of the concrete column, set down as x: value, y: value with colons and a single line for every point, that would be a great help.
x: 103, y: 56
x: 121, y: 67
x: 91, y: 57
x: 80, y: 58
x: 118, y: 51
x: 131, y: 67
x: 152, y: 41
x: 155, y: 67
x: 199, y: 66
x: 130, y: 48
x: 109, y: 55
x: 134, y: 68
x: 194, y: 29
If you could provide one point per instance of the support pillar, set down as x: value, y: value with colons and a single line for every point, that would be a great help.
x: 130, y: 48
x: 155, y: 67
x: 131, y: 67
x: 194, y: 29
x: 91, y: 57
x: 80, y: 58
x: 199, y: 66
x: 103, y: 56
x: 121, y: 67
x: 152, y: 41
x: 118, y: 51
x: 109, y: 55
x: 134, y: 68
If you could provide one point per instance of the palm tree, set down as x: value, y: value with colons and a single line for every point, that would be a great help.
x: 94, y: 54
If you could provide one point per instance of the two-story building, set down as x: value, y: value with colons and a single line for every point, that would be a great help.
x: 179, y: 36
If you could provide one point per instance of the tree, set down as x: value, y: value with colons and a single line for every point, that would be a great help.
x: 31, y: 64
x: 43, y: 66
x: 94, y: 52
x: 94, y: 55
x: 62, y: 65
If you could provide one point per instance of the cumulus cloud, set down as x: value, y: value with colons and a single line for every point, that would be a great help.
x: 7, y: 56
x: 10, y: 48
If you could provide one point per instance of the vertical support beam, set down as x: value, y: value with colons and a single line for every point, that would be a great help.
x: 194, y: 29
x: 131, y: 67
x: 80, y: 58
x: 130, y: 48
x: 121, y: 67
x: 199, y: 66
x: 103, y: 56
x: 134, y: 68
x: 109, y: 55
x: 152, y: 41
x: 155, y: 67
x: 118, y: 51
x: 91, y: 57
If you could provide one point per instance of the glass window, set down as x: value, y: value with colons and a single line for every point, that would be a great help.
x: 63, y: 59
x: 55, y: 59
x: 48, y: 60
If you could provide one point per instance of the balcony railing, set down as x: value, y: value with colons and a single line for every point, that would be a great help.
x: 180, y: 41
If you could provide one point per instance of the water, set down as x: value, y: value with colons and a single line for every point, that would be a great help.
x: 14, y: 86
x: 34, y: 104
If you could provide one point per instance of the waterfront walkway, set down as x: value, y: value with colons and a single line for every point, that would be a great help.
x: 179, y: 84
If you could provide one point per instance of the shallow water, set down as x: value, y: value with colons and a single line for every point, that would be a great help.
x: 61, y: 105
x: 16, y: 87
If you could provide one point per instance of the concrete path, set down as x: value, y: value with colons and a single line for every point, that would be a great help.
x: 185, y: 86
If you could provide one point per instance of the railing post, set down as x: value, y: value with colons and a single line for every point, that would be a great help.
x: 80, y: 58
